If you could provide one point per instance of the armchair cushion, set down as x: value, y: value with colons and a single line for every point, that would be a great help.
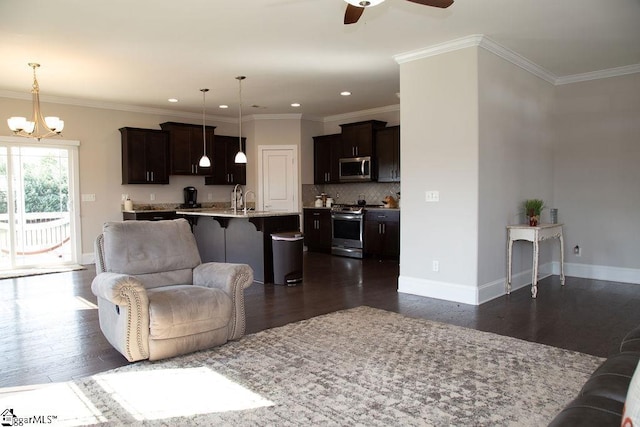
x: 181, y: 310
x: 142, y: 247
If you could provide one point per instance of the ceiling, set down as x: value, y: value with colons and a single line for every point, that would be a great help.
x: 140, y: 53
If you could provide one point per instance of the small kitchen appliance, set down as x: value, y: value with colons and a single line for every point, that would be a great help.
x: 190, y: 198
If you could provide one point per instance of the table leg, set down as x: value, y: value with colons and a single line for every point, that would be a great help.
x: 561, y: 260
x: 509, y: 251
x: 534, y: 276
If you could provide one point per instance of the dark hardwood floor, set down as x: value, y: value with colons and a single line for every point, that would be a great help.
x: 50, y: 332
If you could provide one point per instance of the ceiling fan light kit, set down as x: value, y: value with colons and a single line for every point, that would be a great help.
x: 355, y: 8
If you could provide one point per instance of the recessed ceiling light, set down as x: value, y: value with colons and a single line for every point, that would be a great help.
x: 172, y: 100
x: 224, y: 106
x: 295, y: 104
x: 345, y: 93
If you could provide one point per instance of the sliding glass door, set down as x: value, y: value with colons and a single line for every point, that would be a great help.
x: 38, y: 222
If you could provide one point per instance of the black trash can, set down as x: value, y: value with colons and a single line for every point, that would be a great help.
x: 287, y: 257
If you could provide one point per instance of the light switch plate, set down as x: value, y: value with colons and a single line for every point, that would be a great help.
x: 88, y: 197
x: 432, y: 196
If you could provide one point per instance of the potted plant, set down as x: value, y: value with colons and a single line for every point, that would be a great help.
x: 532, y: 210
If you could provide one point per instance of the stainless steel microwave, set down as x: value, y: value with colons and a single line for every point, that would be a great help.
x: 354, y: 169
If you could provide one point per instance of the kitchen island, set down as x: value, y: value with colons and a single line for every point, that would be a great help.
x: 225, y: 235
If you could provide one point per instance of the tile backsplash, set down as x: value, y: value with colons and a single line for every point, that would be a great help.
x: 373, y: 192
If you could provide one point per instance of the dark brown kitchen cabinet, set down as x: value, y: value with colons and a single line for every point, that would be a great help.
x: 148, y: 215
x: 317, y: 229
x: 145, y: 156
x: 327, y: 150
x: 225, y: 170
x: 186, y: 147
x: 388, y: 154
x: 358, y: 139
x: 382, y: 233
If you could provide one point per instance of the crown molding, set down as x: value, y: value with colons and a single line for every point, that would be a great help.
x: 602, y: 74
x: 363, y: 113
x: 513, y: 57
x: 517, y: 59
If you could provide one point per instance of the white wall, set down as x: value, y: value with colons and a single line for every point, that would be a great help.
x: 597, y: 176
x: 439, y: 120
x: 515, y: 163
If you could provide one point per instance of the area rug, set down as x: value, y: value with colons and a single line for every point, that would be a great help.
x: 24, y: 272
x: 361, y: 366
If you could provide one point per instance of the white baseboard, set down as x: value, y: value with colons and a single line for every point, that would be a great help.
x: 88, y: 258
x: 440, y: 290
x: 477, y: 295
x: 599, y: 272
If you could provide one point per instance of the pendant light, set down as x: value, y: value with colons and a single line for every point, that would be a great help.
x: 204, y: 160
x: 50, y: 126
x: 240, y: 156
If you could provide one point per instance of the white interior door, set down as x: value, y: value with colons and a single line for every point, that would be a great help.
x: 278, y: 175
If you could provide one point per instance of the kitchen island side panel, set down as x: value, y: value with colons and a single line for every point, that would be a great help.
x: 210, y: 237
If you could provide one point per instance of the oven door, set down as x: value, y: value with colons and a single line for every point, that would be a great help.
x: 347, y: 233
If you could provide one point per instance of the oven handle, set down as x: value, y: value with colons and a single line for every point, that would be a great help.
x: 353, y: 217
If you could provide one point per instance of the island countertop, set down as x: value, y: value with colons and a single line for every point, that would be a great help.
x: 230, y: 213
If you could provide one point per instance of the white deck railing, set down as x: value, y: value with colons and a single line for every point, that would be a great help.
x: 43, y: 232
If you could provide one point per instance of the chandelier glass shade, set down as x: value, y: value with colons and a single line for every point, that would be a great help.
x: 38, y: 127
x: 204, y: 162
x: 241, y: 157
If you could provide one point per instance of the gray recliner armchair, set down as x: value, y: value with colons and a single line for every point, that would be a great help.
x: 156, y: 299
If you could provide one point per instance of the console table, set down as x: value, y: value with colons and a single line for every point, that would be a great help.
x: 534, y: 235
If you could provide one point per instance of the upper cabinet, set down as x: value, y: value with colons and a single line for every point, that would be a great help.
x: 327, y: 150
x: 145, y: 156
x: 225, y: 169
x: 186, y: 147
x: 358, y: 139
x: 388, y: 154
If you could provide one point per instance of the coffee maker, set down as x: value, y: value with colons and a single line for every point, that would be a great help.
x: 190, y: 198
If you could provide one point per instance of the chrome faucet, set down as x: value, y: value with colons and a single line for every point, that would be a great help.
x: 246, y: 199
x: 235, y: 197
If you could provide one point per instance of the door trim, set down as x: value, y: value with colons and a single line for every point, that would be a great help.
x: 261, y: 151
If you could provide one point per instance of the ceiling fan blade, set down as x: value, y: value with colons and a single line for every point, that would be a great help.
x: 435, y: 3
x: 352, y: 14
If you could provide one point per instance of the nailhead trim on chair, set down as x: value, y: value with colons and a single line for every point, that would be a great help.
x: 127, y: 292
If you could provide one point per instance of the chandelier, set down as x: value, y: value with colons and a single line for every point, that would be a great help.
x: 240, y: 156
x: 38, y: 127
x: 204, y: 162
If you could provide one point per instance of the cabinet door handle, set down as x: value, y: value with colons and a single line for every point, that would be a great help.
x: 152, y: 177
x: 146, y: 176
x: 232, y: 178
x: 384, y: 228
x: 379, y: 228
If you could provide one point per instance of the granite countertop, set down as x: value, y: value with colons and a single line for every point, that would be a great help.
x: 230, y: 213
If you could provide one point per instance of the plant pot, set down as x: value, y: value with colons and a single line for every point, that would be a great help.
x: 533, y: 220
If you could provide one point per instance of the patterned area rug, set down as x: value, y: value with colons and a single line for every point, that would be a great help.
x: 361, y: 366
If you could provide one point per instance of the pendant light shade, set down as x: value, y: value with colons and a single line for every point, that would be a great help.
x: 204, y: 162
x: 240, y: 156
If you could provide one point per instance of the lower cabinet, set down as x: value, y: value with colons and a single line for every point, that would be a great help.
x: 317, y: 229
x: 382, y: 233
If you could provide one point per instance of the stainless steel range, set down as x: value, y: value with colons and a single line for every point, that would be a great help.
x: 347, y: 230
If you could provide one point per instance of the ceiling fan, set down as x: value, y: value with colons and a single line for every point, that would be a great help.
x: 356, y: 7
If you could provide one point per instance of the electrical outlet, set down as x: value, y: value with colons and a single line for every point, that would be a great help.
x: 436, y: 265
x: 209, y: 196
x: 432, y: 196
x: 152, y: 197
x: 124, y: 197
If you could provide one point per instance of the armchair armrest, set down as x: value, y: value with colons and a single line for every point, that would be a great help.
x: 232, y: 279
x: 119, y: 289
